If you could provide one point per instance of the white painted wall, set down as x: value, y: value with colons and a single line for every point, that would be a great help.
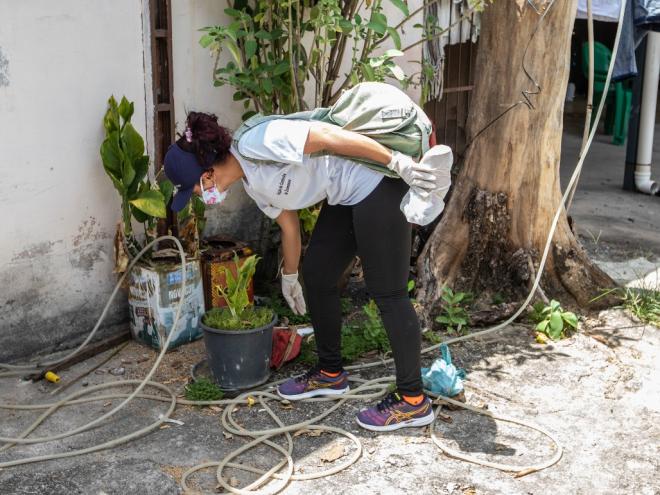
x: 59, y: 62
x: 62, y: 61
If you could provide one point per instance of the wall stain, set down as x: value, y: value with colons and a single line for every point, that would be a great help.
x: 4, y: 70
x: 35, y: 250
x: 89, y: 230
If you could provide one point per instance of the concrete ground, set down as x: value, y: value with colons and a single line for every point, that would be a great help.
x: 598, y: 392
x: 613, y: 224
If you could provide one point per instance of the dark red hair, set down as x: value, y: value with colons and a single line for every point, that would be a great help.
x: 210, y: 141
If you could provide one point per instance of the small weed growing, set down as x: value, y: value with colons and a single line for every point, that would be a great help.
x: 642, y: 302
x: 357, y: 338
x: 374, y: 331
x: 281, y: 308
x: 346, y: 305
x: 432, y: 337
x: 203, y: 389
x: 552, y: 320
x: 454, y: 314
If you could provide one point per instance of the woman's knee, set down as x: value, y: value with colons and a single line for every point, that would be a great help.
x: 315, y: 272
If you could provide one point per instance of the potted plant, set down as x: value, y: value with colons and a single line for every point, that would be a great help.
x: 238, y: 337
x: 154, y: 284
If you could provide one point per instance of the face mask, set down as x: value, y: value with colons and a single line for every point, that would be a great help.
x: 212, y: 196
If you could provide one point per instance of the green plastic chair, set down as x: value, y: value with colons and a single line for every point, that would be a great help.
x: 619, y: 96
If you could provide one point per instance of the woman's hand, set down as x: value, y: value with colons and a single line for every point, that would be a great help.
x: 291, y: 246
x: 418, y: 175
x: 293, y: 293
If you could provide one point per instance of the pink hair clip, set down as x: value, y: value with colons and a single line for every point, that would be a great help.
x: 188, y: 134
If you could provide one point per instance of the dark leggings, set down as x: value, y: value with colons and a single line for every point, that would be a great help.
x: 377, y: 231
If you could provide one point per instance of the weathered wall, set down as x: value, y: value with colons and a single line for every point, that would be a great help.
x: 59, y: 62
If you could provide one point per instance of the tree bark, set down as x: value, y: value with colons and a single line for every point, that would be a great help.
x: 495, y: 225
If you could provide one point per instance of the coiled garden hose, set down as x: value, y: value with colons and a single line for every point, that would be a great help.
x: 373, y: 388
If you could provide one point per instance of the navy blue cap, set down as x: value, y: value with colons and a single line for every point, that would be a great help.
x: 184, y: 170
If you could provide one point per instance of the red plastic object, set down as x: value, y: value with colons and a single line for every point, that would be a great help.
x: 286, y: 346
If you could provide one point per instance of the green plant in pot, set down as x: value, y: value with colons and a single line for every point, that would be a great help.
x: 155, y: 282
x: 238, y: 337
x: 124, y: 161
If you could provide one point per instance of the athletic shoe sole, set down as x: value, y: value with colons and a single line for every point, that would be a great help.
x: 319, y: 392
x: 417, y: 422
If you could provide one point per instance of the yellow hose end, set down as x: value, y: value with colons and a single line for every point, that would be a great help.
x: 51, y: 377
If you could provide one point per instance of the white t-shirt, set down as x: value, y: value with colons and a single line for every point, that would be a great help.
x: 298, y: 180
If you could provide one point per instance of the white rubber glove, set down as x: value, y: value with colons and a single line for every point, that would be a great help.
x: 417, y: 175
x: 293, y: 293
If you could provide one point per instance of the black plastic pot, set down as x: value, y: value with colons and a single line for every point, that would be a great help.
x: 239, y: 359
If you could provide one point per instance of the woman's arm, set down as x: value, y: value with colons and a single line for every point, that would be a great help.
x: 332, y: 138
x: 290, y: 225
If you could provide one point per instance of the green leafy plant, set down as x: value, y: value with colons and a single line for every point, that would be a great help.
x: 453, y: 313
x: 239, y: 313
x: 643, y: 302
x: 235, y: 293
x: 281, y: 308
x: 373, y: 329
x: 276, y: 47
x: 552, y: 320
x: 308, y: 217
x: 124, y: 161
x: 432, y: 337
x: 362, y: 335
x: 203, y: 389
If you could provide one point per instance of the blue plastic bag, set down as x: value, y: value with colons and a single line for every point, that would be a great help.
x: 442, y: 377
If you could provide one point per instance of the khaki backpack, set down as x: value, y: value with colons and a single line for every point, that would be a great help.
x: 375, y: 109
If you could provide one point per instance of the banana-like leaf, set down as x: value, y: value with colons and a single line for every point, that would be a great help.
x: 127, y: 170
x: 132, y: 142
x: 167, y: 188
x: 111, y: 119
x: 141, y: 166
x: 126, y: 109
x: 139, y: 215
x: 151, y: 202
x: 112, y: 156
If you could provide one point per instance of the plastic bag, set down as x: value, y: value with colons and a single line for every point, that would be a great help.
x: 443, y: 377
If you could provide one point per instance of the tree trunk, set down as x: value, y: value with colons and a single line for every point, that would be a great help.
x: 492, y: 233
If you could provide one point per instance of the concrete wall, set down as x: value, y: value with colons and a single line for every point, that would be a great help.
x: 59, y: 62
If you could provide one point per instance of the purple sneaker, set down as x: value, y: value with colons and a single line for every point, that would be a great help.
x: 313, y: 384
x: 393, y: 413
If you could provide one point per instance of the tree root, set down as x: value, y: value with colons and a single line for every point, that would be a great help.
x: 582, y: 279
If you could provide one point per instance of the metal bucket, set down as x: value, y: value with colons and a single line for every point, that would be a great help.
x: 239, y: 359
